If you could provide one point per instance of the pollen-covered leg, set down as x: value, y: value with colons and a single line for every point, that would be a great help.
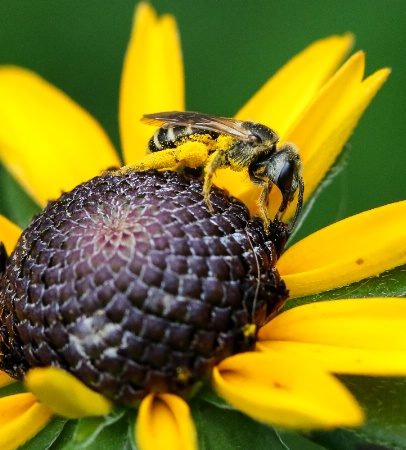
x: 263, y: 204
x: 189, y: 154
x: 264, y: 197
x: 216, y: 161
x: 192, y: 154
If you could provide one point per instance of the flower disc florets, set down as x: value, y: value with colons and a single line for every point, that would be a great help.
x: 132, y: 285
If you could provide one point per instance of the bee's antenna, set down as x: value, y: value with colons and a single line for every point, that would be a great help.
x: 254, y: 303
x: 298, y: 206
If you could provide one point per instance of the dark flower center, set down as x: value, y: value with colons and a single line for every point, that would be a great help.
x: 132, y: 285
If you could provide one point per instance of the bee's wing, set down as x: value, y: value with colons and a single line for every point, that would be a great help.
x: 201, y: 121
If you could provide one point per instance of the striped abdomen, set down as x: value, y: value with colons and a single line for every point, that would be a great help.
x: 170, y: 137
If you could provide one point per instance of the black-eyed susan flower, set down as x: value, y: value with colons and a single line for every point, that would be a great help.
x: 119, y: 269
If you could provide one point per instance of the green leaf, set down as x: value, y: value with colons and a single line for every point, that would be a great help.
x: 63, y: 438
x: 337, y: 440
x: 13, y: 388
x: 296, y: 441
x: 389, y: 284
x: 114, y: 431
x: 209, y: 395
x: 113, y: 436
x: 45, y: 439
x: 14, y: 202
x: 131, y: 419
x: 383, y: 400
x: 221, y: 429
x: 89, y: 428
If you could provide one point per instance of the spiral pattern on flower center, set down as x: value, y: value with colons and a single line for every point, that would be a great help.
x: 132, y: 285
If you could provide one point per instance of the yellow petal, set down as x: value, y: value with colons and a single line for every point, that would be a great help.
x: 21, y: 418
x: 357, y: 336
x: 47, y: 141
x: 283, y: 98
x: 281, y: 101
x: 321, y: 130
x: 342, y: 360
x: 64, y: 394
x: 152, y: 78
x: 5, y: 380
x: 164, y: 423
x: 9, y: 233
x: 361, y: 246
x: 285, y: 392
x: 374, y: 323
x: 326, y: 125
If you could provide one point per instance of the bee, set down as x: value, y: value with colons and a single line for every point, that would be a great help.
x: 250, y: 145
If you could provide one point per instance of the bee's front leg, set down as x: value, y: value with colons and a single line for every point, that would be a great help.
x: 263, y: 200
x: 215, y: 162
x: 263, y: 204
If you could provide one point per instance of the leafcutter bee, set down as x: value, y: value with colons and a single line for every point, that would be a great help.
x: 250, y: 146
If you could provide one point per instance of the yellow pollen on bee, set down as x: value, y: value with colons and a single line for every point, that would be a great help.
x: 224, y: 142
x: 192, y: 154
x: 206, y: 139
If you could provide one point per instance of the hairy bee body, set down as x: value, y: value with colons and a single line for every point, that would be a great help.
x: 239, y: 154
x: 244, y: 145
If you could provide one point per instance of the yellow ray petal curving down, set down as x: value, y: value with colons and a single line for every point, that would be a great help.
x: 353, y: 336
x: 47, y: 141
x: 164, y: 423
x: 21, y: 418
x: 361, y: 246
x: 64, y: 394
x: 285, y: 392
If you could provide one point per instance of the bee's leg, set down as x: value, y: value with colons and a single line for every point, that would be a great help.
x: 263, y: 203
x: 193, y: 155
x: 263, y: 198
x: 164, y: 159
x: 215, y: 162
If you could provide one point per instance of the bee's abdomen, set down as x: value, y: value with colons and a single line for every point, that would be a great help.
x: 170, y: 137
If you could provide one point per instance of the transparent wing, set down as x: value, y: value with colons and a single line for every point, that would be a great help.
x: 201, y: 121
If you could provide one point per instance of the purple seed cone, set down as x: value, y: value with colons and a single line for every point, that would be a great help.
x: 133, y: 286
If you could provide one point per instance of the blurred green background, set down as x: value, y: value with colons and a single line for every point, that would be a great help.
x: 231, y: 47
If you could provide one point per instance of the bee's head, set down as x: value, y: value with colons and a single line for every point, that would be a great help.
x: 286, y: 173
x: 283, y: 168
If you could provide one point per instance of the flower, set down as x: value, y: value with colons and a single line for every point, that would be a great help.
x: 309, y: 103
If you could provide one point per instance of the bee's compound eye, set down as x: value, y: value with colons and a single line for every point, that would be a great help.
x: 285, y: 177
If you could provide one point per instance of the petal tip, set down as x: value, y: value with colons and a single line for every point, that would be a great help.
x: 64, y: 394
x: 144, y: 10
x: 348, y: 39
x: 359, y: 56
